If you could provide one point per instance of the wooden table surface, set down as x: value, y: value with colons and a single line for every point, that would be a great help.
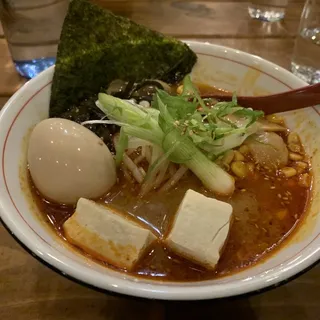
x: 30, y: 291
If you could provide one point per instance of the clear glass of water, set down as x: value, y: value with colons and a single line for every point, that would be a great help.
x: 306, y: 56
x: 272, y: 10
x: 32, y: 29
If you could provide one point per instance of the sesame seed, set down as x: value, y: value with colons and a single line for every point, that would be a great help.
x: 285, y: 198
x: 279, y: 195
x: 272, y: 187
x: 266, y: 178
x: 243, y: 190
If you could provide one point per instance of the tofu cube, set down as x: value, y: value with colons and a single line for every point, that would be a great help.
x: 200, y: 229
x: 107, y: 235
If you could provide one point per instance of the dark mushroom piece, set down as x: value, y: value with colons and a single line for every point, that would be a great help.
x: 142, y: 91
x: 121, y: 89
x: 146, y: 89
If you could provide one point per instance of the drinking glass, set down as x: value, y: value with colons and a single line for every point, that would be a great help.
x: 32, y: 29
x: 272, y: 10
x: 306, y: 56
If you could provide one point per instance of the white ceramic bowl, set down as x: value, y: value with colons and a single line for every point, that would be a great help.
x: 220, y: 66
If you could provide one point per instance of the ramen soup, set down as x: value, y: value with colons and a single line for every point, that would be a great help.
x: 183, y: 188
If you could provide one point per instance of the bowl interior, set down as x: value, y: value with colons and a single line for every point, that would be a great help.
x: 223, y: 67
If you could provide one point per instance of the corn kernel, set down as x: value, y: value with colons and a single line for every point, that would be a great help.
x: 227, y: 157
x: 293, y: 138
x: 288, y: 172
x: 294, y: 147
x: 275, y: 119
x: 301, y: 166
x: 238, y: 156
x: 240, y: 169
x: 295, y: 156
x: 244, y: 149
x: 180, y: 89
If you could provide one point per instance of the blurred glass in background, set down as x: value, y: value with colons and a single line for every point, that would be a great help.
x: 32, y: 29
x: 268, y: 10
x: 306, y: 57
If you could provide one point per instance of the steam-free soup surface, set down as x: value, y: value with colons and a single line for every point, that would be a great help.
x: 265, y: 207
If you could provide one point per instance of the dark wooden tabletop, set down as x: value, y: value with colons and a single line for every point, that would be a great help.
x: 30, y: 291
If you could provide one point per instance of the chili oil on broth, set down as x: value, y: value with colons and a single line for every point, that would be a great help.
x: 266, y: 208
x: 261, y: 222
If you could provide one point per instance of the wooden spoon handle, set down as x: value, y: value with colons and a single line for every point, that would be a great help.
x: 280, y: 102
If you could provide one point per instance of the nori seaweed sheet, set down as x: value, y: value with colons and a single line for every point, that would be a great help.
x: 97, y: 47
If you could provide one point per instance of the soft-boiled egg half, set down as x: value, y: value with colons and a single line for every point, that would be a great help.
x: 68, y: 162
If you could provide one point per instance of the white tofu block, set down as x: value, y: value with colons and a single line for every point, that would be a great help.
x: 107, y: 235
x: 200, y: 229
